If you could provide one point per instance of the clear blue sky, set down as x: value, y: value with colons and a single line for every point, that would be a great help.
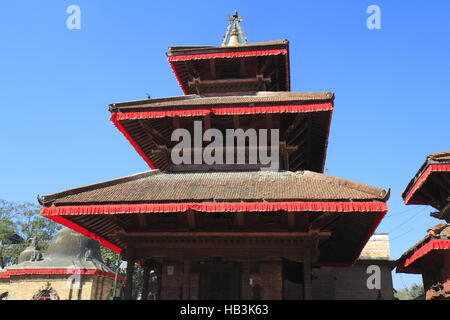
x: 391, y: 86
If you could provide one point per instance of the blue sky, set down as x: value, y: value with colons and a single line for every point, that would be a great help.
x: 391, y: 87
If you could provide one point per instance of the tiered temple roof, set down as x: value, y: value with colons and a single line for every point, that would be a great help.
x: 430, y: 256
x: 426, y: 254
x: 431, y: 184
x: 196, y: 212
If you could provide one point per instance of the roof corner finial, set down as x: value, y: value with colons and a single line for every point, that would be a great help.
x: 234, y: 31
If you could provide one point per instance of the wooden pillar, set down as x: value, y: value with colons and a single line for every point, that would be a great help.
x: 186, y: 279
x: 158, y: 271
x: 245, y: 285
x: 128, y: 291
x: 146, y: 278
x: 307, y: 285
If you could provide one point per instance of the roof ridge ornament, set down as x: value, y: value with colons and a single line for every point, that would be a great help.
x: 234, y: 31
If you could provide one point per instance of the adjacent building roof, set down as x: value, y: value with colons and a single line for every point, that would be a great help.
x: 413, y: 260
x: 431, y: 184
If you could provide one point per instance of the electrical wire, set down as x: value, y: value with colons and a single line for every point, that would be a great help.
x: 400, y: 213
x: 408, y: 220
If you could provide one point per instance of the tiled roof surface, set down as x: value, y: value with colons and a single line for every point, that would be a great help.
x: 260, y: 97
x: 156, y: 186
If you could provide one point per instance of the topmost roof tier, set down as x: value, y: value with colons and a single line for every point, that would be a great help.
x: 233, y: 67
x: 244, y: 68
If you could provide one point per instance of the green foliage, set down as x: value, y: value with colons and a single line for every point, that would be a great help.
x: 23, y: 220
x: 410, y: 293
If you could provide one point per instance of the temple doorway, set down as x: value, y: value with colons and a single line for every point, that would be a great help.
x: 219, y: 281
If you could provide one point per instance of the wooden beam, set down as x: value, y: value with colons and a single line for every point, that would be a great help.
x: 291, y: 220
x: 156, y: 136
x: 207, y: 122
x: 176, y: 122
x: 212, y: 68
x: 240, y: 219
x: 444, y: 184
x: 307, y: 279
x: 245, y: 281
x: 146, y: 279
x: 427, y: 195
x: 236, y: 122
x: 207, y: 234
x: 295, y: 135
x: 324, y: 220
x: 190, y: 216
x: 297, y: 122
x: 142, y: 220
x: 269, y: 121
x: 128, y: 290
x: 186, y: 280
x: 242, y: 69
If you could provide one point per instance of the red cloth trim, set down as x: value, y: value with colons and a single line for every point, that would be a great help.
x: 438, y: 167
x: 338, y: 207
x: 72, y: 225
x: 117, y: 116
x: 225, y: 55
x: 405, y: 265
x: 63, y: 271
x: 216, y: 207
x: 180, y: 83
x: 131, y: 141
x: 425, y: 249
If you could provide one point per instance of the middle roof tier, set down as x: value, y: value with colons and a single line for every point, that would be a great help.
x: 301, y: 118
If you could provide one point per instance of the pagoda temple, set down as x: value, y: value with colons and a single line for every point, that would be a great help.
x: 431, y: 256
x: 227, y: 230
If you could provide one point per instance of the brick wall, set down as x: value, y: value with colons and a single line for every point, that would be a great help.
x: 171, y: 285
x: 24, y: 287
x: 269, y: 278
x: 350, y: 283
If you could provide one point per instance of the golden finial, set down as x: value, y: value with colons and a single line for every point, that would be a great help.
x: 234, y: 22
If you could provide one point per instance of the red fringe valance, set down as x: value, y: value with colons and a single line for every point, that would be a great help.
x: 217, y: 207
x: 404, y: 267
x: 100, y: 273
x: 438, y: 167
x: 224, y: 55
x: 131, y: 141
x: 180, y: 83
x: 222, y: 111
x: 54, y: 213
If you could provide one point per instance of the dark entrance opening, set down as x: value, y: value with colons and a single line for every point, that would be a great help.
x: 292, y: 280
x: 219, y: 281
